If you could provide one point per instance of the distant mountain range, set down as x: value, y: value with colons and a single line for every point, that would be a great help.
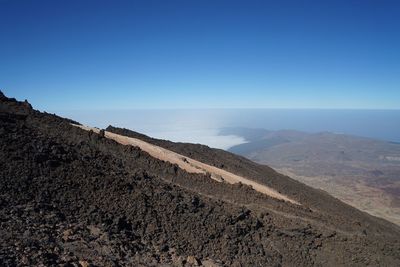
x: 360, y: 171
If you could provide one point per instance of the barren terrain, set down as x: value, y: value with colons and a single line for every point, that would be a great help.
x: 190, y: 165
x: 362, y: 172
x: 71, y: 197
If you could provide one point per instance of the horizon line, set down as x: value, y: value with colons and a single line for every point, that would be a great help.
x: 225, y: 108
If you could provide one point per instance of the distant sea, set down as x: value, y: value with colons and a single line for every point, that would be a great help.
x: 202, y: 125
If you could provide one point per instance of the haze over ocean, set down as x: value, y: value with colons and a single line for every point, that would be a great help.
x: 202, y: 125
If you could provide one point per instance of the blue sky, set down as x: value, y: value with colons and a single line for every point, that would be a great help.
x: 201, y: 54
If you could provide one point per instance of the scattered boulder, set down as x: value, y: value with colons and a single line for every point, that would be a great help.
x: 67, y: 234
x: 84, y: 263
x: 210, y: 263
x: 192, y: 260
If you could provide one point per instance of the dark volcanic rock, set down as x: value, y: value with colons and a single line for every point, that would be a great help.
x: 73, y: 198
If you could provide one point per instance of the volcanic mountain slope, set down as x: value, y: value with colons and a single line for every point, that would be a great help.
x: 191, y: 165
x: 75, y: 198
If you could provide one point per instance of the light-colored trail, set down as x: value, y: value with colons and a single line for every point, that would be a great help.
x: 191, y: 165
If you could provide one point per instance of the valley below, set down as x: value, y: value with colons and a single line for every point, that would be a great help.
x: 362, y: 172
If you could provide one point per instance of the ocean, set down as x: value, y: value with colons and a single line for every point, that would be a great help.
x: 202, y: 125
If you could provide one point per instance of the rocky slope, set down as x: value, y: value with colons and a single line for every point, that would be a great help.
x: 74, y: 198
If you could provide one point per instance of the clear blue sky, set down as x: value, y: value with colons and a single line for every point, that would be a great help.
x: 200, y: 54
